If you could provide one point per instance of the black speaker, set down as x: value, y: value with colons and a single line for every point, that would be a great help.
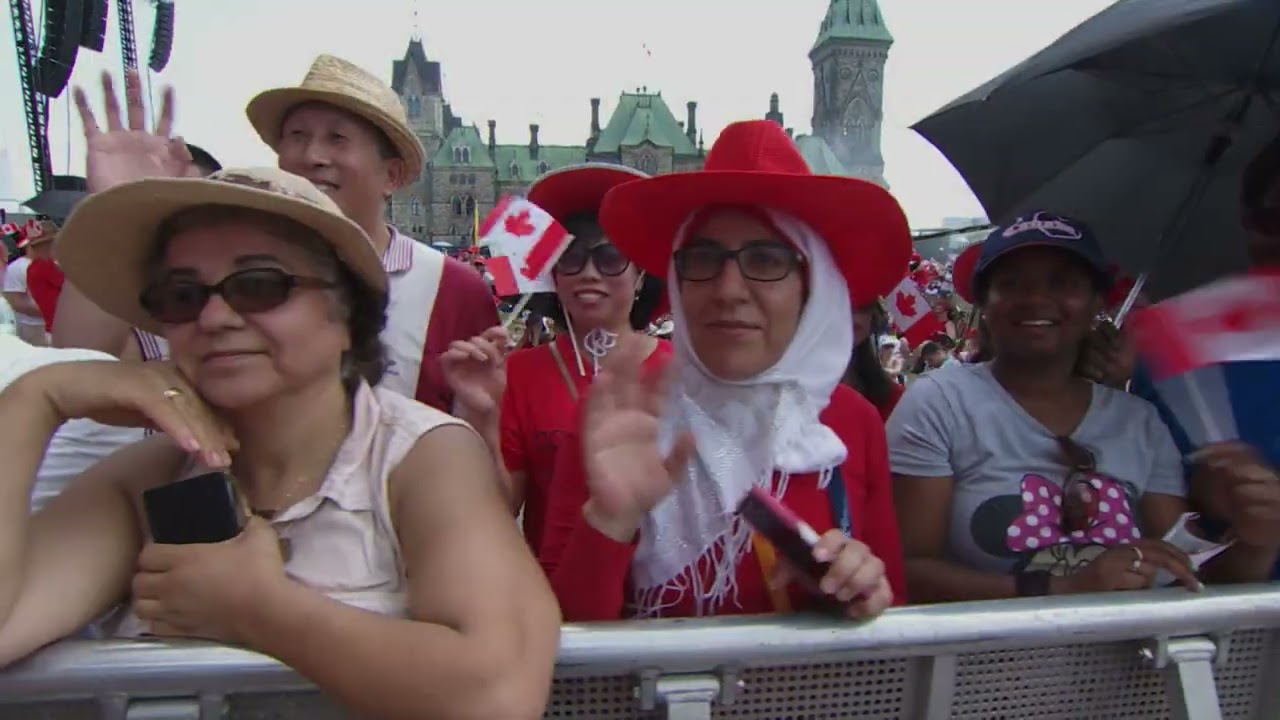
x: 93, y: 31
x: 162, y: 36
x: 63, y: 23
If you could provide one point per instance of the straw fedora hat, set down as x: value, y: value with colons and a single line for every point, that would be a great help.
x: 104, y: 245
x: 754, y: 163
x: 334, y: 81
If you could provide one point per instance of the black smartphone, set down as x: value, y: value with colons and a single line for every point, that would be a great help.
x: 792, y: 537
x: 202, y: 509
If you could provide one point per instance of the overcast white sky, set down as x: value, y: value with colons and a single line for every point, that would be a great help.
x: 525, y: 61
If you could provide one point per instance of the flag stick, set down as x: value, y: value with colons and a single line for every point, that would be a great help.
x: 1211, y: 430
x: 515, y: 312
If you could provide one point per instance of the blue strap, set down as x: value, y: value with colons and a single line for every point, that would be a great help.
x: 839, y: 500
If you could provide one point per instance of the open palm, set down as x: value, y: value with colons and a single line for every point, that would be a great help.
x: 627, y: 473
x: 125, y: 153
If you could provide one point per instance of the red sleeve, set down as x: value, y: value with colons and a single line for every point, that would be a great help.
x: 879, y: 520
x: 44, y: 284
x: 588, y: 570
x: 463, y: 309
x: 511, y: 434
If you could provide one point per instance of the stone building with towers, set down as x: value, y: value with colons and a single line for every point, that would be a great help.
x: 848, y: 60
x: 469, y: 169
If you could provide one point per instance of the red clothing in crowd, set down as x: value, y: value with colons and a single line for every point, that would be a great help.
x: 537, y: 414
x: 589, y: 571
x: 44, y: 284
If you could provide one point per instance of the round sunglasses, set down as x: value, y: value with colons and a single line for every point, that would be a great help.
x: 608, y: 260
x: 764, y: 261
x: 176, y: 300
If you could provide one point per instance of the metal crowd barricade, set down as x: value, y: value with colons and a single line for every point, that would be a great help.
x: 1163, y: 654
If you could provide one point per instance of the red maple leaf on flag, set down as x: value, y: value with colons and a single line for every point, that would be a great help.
x: 906, y: 304
x: 518, y: 224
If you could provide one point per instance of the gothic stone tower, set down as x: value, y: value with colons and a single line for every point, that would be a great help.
x: 848, y: 84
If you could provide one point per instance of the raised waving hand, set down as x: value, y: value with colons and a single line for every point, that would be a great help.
x: 126, y: 150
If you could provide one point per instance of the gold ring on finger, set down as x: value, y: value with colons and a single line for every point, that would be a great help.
x: 172, y: 393
x: 1137, y: 562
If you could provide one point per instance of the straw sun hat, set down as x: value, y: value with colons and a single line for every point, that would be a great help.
x: 334, y: 81
x: 104, y: 245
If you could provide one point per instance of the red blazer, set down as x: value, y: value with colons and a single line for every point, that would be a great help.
x: 589, y: 571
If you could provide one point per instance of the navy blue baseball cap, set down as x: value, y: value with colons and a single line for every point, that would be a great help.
x: 1043, y: 229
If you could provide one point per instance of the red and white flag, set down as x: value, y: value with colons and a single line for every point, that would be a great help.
x: 524, y: 242
x: 1232, y: 320
x: 911, y: 313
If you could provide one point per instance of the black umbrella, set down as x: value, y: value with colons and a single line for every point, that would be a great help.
x: 1140, y: 122
x: 57, y: 201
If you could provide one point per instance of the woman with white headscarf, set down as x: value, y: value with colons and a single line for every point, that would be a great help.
x: 765, y: 262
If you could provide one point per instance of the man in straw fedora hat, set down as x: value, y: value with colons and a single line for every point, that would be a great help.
x: 345, y: 130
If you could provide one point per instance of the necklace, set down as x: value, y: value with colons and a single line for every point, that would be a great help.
x: 598, y: 343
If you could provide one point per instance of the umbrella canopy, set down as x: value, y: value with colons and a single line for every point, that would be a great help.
x: 1138, y: 121
x: 56, y: 204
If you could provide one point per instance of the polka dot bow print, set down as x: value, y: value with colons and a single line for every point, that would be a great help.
x: 1041, y: 524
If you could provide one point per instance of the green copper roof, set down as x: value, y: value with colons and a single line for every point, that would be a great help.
x: 643, y: 117
x: 818, y: 154
x: 463, y: 137
x: 853, y: 20
x: 517, y: 158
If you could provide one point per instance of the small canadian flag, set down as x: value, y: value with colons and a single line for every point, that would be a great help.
x: 524, y: 242
x: 911, y: 313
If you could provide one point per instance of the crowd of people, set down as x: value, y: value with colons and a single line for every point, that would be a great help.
x: 426, y: 497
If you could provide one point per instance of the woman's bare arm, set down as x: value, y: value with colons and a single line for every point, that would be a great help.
x: 79, y: 323
x: 65, y: 566
x: 485, y: 627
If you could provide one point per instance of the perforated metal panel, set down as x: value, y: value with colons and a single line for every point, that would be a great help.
x: 870, y: 689
x: 308, y: 706
x: 1087, y: 682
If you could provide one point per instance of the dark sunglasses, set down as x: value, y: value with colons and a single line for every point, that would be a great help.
x: 174, y: 301
x: 609, y: 261
x: 1079, y: 497
x: 764, y: 261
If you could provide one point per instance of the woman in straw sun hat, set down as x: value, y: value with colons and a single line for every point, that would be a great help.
x: 528, y: 401
x: 345, y: 130
x: 764, y: 263
x: 401, y: 586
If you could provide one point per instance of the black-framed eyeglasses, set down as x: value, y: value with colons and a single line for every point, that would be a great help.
x: 177, y: 300
x: 763, y: 261
x: 1079, y: 506
x: 609, y: 261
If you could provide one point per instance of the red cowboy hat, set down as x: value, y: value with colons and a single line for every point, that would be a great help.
x: 962, y: 272
x: 754, y: 163
x: 576, y: 189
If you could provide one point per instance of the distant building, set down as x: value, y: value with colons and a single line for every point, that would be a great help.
x: 468, y: 171
x: 848, y: 59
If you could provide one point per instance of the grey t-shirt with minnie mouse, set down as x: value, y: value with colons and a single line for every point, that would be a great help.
x: 1008, y: 470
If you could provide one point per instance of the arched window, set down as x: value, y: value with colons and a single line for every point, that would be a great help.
x: 542, y: 167
x: 415, y: 207
x: 457, y: 205
x: 413, y: 104
x: 466, y: 156
x: 457, y: 154
x: 471, y: 205
x: 515, y: 170
x: 647, y: 164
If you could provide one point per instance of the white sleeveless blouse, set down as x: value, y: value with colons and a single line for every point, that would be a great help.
x: 341, y: 540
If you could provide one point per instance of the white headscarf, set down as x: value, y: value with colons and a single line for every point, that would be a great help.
x: 744, y: 431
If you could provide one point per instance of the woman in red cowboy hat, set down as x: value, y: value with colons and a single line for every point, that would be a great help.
x: 526, y: 403
x: 765, y: 262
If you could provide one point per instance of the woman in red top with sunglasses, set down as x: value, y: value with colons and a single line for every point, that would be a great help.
x: 526, y: 404
x: 764, y: 267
